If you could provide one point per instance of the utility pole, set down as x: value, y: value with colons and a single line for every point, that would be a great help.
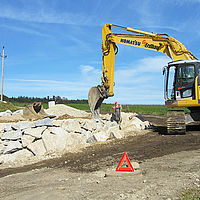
x: 3, y: 56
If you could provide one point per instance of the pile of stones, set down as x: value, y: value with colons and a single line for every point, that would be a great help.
x: 26, y: 140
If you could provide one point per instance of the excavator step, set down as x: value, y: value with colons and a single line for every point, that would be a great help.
x: 176, y: 122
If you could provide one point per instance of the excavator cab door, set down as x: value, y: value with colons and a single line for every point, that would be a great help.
x: 185, y: 81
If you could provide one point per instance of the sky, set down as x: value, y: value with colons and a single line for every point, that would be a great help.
x: 53, y: 47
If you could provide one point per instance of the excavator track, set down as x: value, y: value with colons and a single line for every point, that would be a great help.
x: 176, y: 122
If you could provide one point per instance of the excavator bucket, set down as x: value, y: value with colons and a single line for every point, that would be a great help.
x: 95, y: 100
x: 34, y: 111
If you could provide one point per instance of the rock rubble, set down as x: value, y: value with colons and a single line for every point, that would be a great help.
x: 26, y: 140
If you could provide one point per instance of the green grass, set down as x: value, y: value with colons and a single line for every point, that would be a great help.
x: 7, y: 106
x: 191, y: 194
x: 141, y: 109
x: 105, y: 108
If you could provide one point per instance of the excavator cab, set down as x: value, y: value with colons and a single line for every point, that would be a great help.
x: 181, y: 83
x: 182, y: 86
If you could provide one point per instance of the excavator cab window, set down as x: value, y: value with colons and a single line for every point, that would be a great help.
x: 185, y: 80
x: 180, y: 81
x: 185, y: 74
x: 170, y: 82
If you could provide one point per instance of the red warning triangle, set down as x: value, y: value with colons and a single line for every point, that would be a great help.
x: 125, y: 169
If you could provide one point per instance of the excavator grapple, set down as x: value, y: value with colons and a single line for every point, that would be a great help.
x: 94, y: 100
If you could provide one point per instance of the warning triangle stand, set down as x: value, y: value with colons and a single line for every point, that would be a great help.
x: 125, y: 169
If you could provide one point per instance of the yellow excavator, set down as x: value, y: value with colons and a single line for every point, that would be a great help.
x: 182, y: 82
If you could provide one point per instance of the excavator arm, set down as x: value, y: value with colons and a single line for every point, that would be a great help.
x: 151, y: 41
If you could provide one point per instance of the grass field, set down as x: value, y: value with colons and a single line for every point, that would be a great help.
x: 105, y: 108
x: 141, y: 109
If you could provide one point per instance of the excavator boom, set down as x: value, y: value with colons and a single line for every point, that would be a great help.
x: 137, y: 38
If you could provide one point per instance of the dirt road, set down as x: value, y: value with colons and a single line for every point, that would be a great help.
x: 168, y: 165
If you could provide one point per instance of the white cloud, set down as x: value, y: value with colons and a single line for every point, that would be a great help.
x: 142, y: 71
x: 25, y: 30
x: 42, y: 14
x: 87, y: 68
x: 140, y: 82
x: 90, y: 74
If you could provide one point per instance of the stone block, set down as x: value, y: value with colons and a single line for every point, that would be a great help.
x: 22, y: 125
x: 89, y: 125
x: 35, y: 132
x: 71, y: 125
x: 6, y: 113
x: 8, y: 127
x: 54, y: 142
x: 91, y: 139
x: 37, y: 148
x: 12, y: 135
x: 2, y: 148
x: 43, y: 122
x: 2, y: 125
x: 21, y: 155
x: 18, y: 112
x: 57, y: 130
x: 139, y: 124
x: 57, y: 123
x: 12, y: 147
x: 114, y: 132
x: 87, y: 134
x: 101, y: 136
x: 27, y: 139
x: 74, y: 141
x: 106, y: 117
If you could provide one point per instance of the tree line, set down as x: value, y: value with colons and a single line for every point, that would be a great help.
x: 57, y: 99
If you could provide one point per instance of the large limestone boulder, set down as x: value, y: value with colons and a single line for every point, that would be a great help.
x: 6, y: 113
x: 21, y: 155
x: 114, y: 132
x: 132, y: 121
x: 22, y: 125
x: 71, y: 125
x: 43, y: 122
x: 37, y: 148
x: 12, y: 147
x: 75, y: 141
x: 2, y: 148
x: 88, y: 125
x: 2, y: 125
x: 12, y: 135
x: 87, y: 134
x: 8, y: 127
x: 101, y: 136
x: 27, y: 139
x: 127, y: 116
x: 54, y: 143
x: 57, y: 123
x: 35, y: 132
x: 18, y: 112
x: 57, y: 130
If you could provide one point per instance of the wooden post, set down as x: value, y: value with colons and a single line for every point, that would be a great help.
x: 2, y: 75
